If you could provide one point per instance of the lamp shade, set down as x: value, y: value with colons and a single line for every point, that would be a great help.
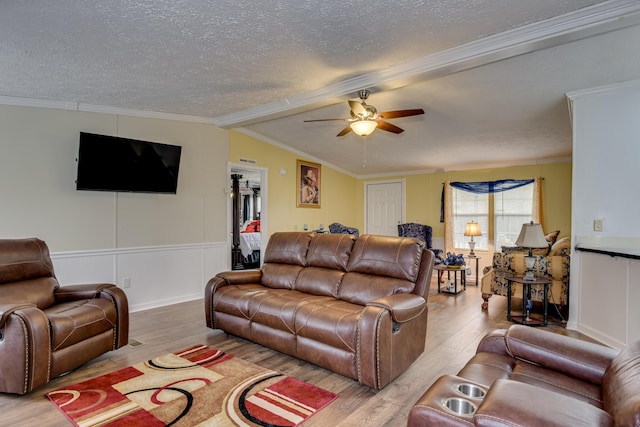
x: 531, y: 236
x: 472, y: 229
x: 364, y: 127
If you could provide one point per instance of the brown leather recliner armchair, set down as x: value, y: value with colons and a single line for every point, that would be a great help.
x: 47, y: 330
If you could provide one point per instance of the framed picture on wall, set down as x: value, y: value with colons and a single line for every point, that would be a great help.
x: 308, y: 179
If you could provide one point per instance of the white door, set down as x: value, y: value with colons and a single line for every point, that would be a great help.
x: 385, y: 207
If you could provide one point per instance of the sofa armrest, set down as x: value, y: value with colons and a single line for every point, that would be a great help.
x: 581, y: 359
x: 101, y: 290
x: 7, y: 309
x: 78, y: 292
x: 403, y: 307
x: 240, y: 277
x: 25, y: 348
x: 512, y: 403
x: 226, y: 278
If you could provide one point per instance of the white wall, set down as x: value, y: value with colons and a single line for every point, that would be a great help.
x: 168, y: 245
x: 606, y: 152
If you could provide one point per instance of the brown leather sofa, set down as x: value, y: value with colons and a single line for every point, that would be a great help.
x: 354, y: 305
x: 47, y: 330
x: 530, y: 377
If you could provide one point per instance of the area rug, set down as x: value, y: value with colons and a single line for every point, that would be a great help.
x: 198, y: 386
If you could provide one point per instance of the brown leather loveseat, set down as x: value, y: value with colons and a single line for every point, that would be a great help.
x: 531, y: 377
x: 354, y: 305
x: 47, y: 330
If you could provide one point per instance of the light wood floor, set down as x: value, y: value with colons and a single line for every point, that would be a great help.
x: 455, y: 325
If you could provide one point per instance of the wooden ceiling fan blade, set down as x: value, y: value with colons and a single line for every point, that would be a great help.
x: 326, y: 120
x: 389, y: 127
x: 357, y: 108
x: 345, y: 131
x: 401, y: 113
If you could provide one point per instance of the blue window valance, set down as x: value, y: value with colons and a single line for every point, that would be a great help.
x: 486, y: 187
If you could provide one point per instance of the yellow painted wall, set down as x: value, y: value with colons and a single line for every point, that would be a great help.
x: 343, y: 196
x: 337, y: 203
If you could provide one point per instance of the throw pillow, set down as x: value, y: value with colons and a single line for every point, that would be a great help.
x: 551, y: 239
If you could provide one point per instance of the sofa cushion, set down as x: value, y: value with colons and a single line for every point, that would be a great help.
x: 359, y: 288
x: 319, y: 281
x: 288, y: 248
x: 387, y: 256
x: 509, y: 403
x: 278, y: 308
x: 26, y: 272
x: 24, y: 259
x: 237, y: 300
x: 331, y: 322
x: 558, y: 382
x: 39, y: 292
x: 330, y: 251
x: 285, y: 257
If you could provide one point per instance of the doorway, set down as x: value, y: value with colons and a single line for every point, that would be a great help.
x: 246, y: 208
x: 384, y: 207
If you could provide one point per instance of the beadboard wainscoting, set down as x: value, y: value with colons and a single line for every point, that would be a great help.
x: 151, y: 276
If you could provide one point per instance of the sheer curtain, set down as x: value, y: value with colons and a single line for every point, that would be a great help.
x: 481, y: 188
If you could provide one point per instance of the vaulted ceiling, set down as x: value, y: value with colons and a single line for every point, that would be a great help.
x: 491, y: 75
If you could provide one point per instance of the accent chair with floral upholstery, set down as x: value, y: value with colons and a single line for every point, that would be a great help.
x: 337, y: 228
x: 422, y: 232
x: 552, y: 264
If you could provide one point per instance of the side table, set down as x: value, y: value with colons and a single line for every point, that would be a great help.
x: 462, y: 269
x: 525, y: 318
x: 477, y: 260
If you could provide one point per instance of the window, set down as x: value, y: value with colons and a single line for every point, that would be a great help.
x: 505, y: 211
x: 511, y: 209
x: 470, y: 207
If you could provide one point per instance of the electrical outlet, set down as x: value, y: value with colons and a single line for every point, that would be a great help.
x: 126, y: 282
x: 597, y: 225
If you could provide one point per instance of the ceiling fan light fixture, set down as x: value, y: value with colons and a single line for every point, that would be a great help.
x: 364, y: 127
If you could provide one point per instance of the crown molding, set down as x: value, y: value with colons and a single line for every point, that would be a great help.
x: 300, y: 153
x: 89, y: 108
x: 611, y: 88
x: 587, y: 22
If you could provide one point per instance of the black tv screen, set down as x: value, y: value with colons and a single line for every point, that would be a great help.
x: 110, y: 163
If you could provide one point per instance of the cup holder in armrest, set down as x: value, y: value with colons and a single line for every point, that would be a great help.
x: 458, y: 406
x: 471, y: 390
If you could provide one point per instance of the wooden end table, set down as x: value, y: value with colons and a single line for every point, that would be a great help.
x: 477, y: 259
x: 462, y: 269
x: 525, y: 318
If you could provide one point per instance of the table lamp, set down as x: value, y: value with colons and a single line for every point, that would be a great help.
x: 531, y: 236
x: 472, y: 229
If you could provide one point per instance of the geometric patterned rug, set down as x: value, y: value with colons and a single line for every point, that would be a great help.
x: 198, y: 386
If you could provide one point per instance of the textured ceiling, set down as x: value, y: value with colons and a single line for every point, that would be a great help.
x: 221, y: 59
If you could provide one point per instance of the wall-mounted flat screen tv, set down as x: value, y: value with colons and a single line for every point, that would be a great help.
x: 109, y: 163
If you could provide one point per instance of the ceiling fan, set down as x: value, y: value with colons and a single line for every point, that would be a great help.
x: 365, y: 118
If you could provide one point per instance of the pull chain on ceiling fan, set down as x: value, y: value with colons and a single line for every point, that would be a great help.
x: 365, y: 118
